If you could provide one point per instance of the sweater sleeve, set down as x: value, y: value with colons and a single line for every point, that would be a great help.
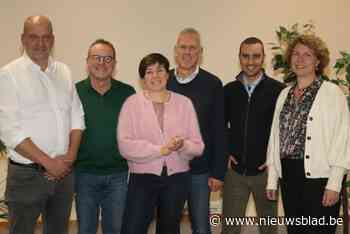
x: 131, y: 146
x: 338, y: 156
x: 193, y: 143
x: 273, y: 146
x: 272, y: 175
x: 219, y: 158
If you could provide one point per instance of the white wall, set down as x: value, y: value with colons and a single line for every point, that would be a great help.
x: 141, y: 27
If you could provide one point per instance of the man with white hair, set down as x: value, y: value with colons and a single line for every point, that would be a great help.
x: 206, y: 92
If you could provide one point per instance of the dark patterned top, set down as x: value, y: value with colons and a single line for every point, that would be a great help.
x: 293, y: 119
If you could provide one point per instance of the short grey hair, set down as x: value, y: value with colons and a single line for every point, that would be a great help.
x: 191, y: 30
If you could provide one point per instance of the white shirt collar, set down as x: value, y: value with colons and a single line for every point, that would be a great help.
x: 50, y: 67
x: 188, y: 79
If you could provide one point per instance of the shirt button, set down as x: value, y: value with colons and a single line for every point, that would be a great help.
x: 307, y: 156
x: 311, y: 118
x: 308, y: 138
x: 308, y: 174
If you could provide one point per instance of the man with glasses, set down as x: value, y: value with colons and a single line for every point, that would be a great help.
x: 41, y: 122
x: 206, y: 92
x: 101, y: 173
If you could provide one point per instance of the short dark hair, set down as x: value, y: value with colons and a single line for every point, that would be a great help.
x: 251, y: 41
x: 152, y: 59
x: 104, y: 42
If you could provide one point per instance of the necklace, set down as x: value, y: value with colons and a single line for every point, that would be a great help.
x: 298, y: 92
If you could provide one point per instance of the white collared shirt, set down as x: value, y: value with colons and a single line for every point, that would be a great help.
x: 42, y: 106
x: 188, y: 79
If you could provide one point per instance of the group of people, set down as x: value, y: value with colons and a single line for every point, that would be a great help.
x: 129, y: 157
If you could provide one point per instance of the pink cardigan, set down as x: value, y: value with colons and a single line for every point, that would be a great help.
x: 140, y: 137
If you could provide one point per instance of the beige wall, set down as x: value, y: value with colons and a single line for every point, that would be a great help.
x: 141, y: 27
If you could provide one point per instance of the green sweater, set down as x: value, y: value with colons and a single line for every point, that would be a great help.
x: 98, y: 152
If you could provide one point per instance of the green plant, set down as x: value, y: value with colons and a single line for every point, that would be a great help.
x: 342, y: 67
x: 3, y: 207
x: 2, y: 148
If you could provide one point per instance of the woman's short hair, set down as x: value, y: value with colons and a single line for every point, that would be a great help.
x: 152, y: 59
x: 316, y: 44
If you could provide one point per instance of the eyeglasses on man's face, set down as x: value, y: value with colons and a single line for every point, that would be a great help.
x: 102, y: 59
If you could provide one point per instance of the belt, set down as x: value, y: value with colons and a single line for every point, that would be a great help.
x: 30, y: 165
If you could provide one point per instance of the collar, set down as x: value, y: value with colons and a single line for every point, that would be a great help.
x: 89, y: 86
x: 51, y: 66
x: 316, y: 84
x: 255, y: 82
x: 188, y: 79
x: 243, y: 79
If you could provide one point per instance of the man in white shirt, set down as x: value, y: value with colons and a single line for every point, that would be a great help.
x: 41, y: 122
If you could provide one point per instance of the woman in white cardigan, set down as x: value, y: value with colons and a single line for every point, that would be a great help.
x: 307, y: 151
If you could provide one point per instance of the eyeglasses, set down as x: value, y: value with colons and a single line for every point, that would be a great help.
x: 102, y: 59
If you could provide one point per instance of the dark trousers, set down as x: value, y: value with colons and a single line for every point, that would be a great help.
x: 302, y: 197
x: 145, y: 192
x: 236, y: 193
x: 29, y: 194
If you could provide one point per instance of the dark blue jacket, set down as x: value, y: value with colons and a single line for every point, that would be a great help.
x: 249, y: 120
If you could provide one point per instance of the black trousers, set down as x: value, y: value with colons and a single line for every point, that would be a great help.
x: 145, y: 193
x: 29, y: 194
x: 302, y: 198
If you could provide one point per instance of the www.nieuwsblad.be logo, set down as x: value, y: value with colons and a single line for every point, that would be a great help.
x: 217, y: 219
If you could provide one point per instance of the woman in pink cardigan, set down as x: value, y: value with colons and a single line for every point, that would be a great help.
x: 158, y: 135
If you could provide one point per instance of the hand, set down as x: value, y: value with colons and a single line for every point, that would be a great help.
x: 231, y: 160
x: 175, y: 143
x: 56, y: 168
x: 214, y: 184
x: 67, y: 159
x: 271, y: 194
x: 165, y: 151
x: 262, y: 167
x: 330, y: 197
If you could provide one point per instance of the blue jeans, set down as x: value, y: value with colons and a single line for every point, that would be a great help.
x: 105, y: 194
x: 198, y: 203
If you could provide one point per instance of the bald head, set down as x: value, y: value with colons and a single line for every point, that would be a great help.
x: 38, y: 39
x: 37, y: 20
